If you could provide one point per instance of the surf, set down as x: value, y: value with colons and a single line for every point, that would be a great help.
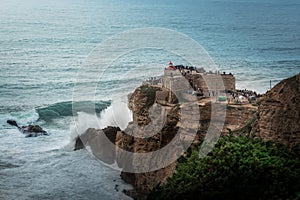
x: 69, y: 108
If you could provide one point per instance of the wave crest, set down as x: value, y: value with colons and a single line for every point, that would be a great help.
x: 64, y: 109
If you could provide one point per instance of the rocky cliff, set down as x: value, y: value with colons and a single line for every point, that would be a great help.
x: 157, y: 126
x: 149, y: 104
x: 278, y: 115
x: 157, y: 117
x: 100, y: 142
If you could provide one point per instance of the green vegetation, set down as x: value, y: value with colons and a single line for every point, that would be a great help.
x: 237, y: 168
x: 246, y: 130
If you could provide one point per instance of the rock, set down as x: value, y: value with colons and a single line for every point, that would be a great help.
x: 30, y: 130
x: 278, y: 115
x: 277, y: 118
x: 148, y: 121
x: 101, y: 142
x: 78, y: 144
x: 12, y: 122
x: 111, y: 133
x: 35, y: 129
x: 140, y: 102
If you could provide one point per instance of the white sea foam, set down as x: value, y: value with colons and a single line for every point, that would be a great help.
x: 117, y: 114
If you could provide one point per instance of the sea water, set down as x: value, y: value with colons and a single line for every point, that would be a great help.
x: 43, y: 44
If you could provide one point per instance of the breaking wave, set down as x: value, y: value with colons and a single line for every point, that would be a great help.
x: 64, y: 109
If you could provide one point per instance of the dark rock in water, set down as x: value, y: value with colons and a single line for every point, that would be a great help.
x: 101, y: 143
x: 30, y: 130
x: 111, y: 133
x: 117, y: 187
x: 35, y: 129
x: 12, y: 122
x: 33, y: 134
x: 96, y: 139
x: 78, y: 144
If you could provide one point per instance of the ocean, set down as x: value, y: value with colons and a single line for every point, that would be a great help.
x: 45, y: 43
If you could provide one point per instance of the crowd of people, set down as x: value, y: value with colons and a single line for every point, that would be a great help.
x: 240, y: 96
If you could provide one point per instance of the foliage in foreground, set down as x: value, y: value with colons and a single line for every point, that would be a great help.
x: 237, y: 168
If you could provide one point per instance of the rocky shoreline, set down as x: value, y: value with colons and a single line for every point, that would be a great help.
x: 275, y: 116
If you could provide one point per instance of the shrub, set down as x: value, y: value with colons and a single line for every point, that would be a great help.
x: 237, y: 168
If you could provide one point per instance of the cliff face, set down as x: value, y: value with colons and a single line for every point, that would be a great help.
x: 157, y: 118
x: 237, y: 116
x: 157, y: 129
x: 159, y: 100
x: 96, y: 139
x: 277, y: 118
x: 279, y: 113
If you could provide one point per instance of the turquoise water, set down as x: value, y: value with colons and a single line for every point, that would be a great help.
x: 43, y: 44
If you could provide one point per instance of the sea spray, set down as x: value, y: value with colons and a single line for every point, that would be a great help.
x: 117, y: 114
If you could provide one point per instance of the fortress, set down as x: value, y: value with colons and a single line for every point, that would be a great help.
x: 201, y: 83
x: 209, y: 84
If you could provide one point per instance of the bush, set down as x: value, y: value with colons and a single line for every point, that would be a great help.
x: 237, y: 168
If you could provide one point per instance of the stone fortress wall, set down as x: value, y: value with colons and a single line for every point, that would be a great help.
x: 209, y: 84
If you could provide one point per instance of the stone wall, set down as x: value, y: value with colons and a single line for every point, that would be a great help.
x: 229, y: 81
x: 216, y: 82
x: 205, y: 82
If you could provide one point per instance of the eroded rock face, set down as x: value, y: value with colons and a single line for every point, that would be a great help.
x: 158, y: 126
x: 140, y: 102
x: 279, y: 113
x: 157, y: 117
x: 145, y: 105
x: 101, y: 143
x: 237, y: 117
